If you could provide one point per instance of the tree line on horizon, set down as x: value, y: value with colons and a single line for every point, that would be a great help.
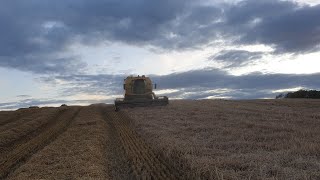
x: 302, y: 93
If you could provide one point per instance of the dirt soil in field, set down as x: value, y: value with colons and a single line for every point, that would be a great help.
x: 252, y: 139
x: 207, y: 139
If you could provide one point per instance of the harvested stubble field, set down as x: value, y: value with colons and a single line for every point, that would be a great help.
x: 207, y: 139
x: 92, y: 142
x: 247, y: 139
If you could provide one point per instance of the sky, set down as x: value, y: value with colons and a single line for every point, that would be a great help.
x: 79, y: 52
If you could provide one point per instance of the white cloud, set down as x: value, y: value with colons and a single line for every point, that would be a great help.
x: 118, y: 58
x: 165, y: 91
x: 218, y: 97
x: 287, y: 90
x: 284, y: 64
x: 310, y: 2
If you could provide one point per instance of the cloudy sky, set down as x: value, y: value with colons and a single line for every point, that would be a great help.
x: 79, y: 52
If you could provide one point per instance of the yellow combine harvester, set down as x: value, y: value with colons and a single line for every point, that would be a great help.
x: 138, y: 92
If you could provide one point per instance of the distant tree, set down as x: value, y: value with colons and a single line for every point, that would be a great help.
x: 280, y: 96
x: 302, y: 93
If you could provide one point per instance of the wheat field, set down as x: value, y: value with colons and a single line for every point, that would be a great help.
x: 187, y: 139
x: 245, y: 139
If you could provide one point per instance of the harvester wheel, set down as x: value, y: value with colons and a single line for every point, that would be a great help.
x: 117, y: 108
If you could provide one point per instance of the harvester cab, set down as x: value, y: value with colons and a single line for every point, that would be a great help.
x: 139, y: 92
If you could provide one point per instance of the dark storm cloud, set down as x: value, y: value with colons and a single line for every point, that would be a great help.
x: 281, y: 24
x: 57, y: 22
x: 31, y: 31
x: 215, y: 79
x: 237, y: 55
x: 200, y: 83
x: 43, y: 66
x: 23, y: 96
x: 235, y: 58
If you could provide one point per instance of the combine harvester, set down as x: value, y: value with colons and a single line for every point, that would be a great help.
x: 138, y: 92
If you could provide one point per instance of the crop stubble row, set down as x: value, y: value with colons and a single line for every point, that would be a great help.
x: 78, y: 153
x: 20, y: 153
x: 145, y: 162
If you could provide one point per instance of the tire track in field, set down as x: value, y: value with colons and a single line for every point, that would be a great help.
x: 118, y: 165
x: 22, y: 152
x: 145, y: 163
